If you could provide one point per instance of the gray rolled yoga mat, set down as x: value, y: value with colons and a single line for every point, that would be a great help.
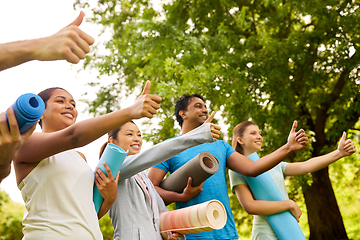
x: 200, y: 168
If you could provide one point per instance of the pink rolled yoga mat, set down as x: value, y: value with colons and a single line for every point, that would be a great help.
x: 200, y: 168
x: 207, y: 216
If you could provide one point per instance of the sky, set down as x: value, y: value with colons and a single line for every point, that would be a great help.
x: 28, y: 19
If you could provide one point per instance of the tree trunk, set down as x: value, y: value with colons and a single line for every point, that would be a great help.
x: 325, y: 220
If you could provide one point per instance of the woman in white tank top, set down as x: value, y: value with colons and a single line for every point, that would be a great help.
x: 55, y: 181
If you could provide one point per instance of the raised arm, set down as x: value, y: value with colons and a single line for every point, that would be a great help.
x: 168, y: 149
x: 243, y: 165
x: 70, y: 44
x: 42, y: 145
x: 345, y: 148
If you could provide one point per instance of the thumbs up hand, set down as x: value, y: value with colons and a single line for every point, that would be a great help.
x: 215, y: 129
x: 146, y: 105
x: 297, y: 140
x: 346, y: 147
x: 70, y: 44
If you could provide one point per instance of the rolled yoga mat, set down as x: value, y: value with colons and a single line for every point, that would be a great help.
x: 263, y: 187
x: 113, y: 156
x: 28, y: 109
x: 207, y: 216
x: 200, y: 168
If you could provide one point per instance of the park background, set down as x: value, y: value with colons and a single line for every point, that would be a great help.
x: 269, y: 61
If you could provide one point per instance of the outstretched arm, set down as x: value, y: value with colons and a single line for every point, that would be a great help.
x: 10, y: 141
x: 156, y: 175
x: 345, y: 148
x: 207, y: 132
x: 243, y: 165
x: 259, y: 207
x: 42, y: 145
x: 70, y: 44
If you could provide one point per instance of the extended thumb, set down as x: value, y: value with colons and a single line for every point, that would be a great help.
x: 210, y: 118
x: 146, y: 88
x: 78, y: 20
x: 294, y: 126
x: 343, y: 138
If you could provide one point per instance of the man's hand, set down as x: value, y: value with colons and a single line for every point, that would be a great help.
x: 190, y: 191
x: 215, y: 129
x: 70, y: 44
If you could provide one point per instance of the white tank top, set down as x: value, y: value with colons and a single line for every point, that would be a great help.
x: 58, y: 196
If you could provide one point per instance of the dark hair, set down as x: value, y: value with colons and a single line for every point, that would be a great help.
x: 45, y: 95
x: 239, y: 132
x: 113, y: 134
x: 182, y: 104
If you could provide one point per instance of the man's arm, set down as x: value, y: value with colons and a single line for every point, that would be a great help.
x: 70, y: 44
x: 156, y: 175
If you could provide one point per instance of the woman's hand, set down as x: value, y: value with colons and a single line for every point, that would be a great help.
x: 297, y: 140
x: 107, y: 185
x: 146, y: 105
x: 295, y: 210
x: 346, y: 147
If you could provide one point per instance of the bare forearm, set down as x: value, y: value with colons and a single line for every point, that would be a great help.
x: 313, y: 164
x: 271, y: 160
x: 104, y: 208
x: 258, y: 207
x: 169, y: 196
x: 15, y: 53
x: 243, y: 165
x: 88, y: 130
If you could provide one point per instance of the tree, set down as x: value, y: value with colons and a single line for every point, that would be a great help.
x: 271, y: 61
x: 11, y: 214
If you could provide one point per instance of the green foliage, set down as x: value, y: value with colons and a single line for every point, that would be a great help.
x: 269, y: 61
x: 106, y: 227
x: 11, y: 214
x: 4, y: 198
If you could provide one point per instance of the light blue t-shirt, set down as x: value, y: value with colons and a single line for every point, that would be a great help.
x: 215, y: 187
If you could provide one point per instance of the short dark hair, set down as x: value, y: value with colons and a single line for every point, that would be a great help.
x: 45, y: 95
x: 182, y: 104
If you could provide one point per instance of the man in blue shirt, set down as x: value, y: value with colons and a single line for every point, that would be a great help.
x: 191, y: 112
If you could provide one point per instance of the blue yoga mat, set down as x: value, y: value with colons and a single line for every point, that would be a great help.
x: 113, y: 156
x: 263, y: 187
x: 28, y: 109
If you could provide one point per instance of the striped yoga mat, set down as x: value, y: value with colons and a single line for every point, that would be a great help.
x: 207, y: 216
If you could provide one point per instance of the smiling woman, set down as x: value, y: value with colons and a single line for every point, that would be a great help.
x: 55, y: 180
x: 58, y: 102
